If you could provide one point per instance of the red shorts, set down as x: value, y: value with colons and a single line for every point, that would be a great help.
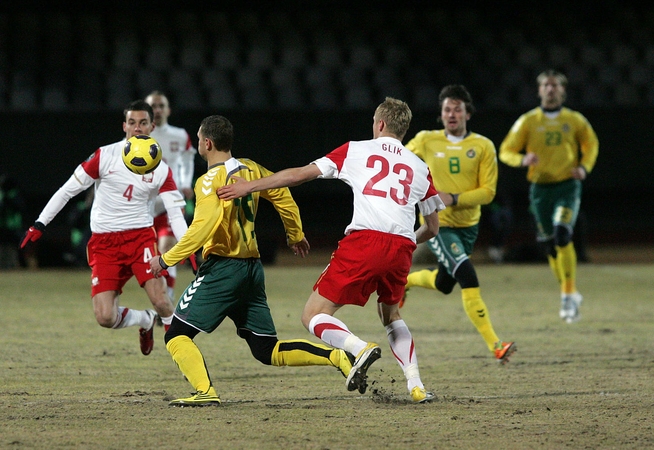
x: 364, y: 262
x: 162, y: 226
x: 115, y: 257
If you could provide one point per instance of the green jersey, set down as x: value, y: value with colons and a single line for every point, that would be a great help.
x: 557, y: 139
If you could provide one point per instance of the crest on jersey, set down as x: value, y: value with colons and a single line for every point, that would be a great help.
x: 174, y: 146
x: 148, y: 177
x: 566, y: 128
x: 455, y: 249
x: 471, y: 153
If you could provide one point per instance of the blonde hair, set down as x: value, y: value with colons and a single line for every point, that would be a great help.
x: 396, y: 114
x: 552, y: 73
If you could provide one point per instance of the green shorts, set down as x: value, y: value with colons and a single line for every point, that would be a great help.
x: 452, y: 246
x: 227, y: 287
x: 554, y: 204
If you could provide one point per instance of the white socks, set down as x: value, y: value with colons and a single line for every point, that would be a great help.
x: 401, y: 342
x: 335, y: 333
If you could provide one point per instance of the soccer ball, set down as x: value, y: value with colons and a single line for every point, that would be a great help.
x: 142, y: 154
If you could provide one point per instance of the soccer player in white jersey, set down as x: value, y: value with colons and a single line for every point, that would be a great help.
x: 387, y: 181
x: 123, y: 240
x: 179, y: 154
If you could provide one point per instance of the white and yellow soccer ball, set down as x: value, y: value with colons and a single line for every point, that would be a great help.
x: 142, y: 154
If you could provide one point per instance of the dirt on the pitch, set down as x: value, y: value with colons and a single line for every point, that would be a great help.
x: 67, y: 383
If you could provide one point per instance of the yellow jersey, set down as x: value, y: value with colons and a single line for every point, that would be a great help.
x: 226, y: 228
x: 561, y: 141
x: 467, y: 168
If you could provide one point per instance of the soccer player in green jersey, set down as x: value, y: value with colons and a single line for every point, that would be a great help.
x: 559, y: 147
x: 464, y: 169
x: 230, y: 282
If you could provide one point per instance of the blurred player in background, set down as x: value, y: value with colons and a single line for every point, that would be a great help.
x: 464, y: 167
x: 12, y: 209
x: 230, y: 283
x: 179, y: 154
x: 559, y: 147
x: 388, y: 182
x: 123, y: 240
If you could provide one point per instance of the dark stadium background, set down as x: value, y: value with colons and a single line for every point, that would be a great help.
x: 64, y: 77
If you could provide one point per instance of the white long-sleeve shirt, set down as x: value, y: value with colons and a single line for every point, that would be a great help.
x: 122, y: 198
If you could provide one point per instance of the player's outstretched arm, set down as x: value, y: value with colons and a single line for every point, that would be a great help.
x: 283, y: 178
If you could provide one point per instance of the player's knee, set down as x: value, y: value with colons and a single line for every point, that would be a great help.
x: 444, y: 281
x: 261, y: 347
x: 163, y: 304
x: 306, y: 318
x: 562, y: 236
x: 179, y: 328
x: 466, y: 275
x: 547, y: 247
x: 105, y: 321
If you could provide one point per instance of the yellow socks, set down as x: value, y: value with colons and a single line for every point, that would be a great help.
x: 476, y: 310
x: 422, y: 278
x: 554, y: 265
x: 566, y: 260
x: 188, y: 358
x: 300, y: 352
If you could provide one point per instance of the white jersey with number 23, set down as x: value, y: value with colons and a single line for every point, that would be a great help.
x: 387, y: 181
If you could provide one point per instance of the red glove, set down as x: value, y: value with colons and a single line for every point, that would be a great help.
x: 33, y: 234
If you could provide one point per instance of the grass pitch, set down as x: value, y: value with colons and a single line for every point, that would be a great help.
x: 65, y: 382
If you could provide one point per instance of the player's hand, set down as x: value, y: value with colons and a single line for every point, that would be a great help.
x: 33, y: 234
x: 579, y: 173
x: 234, y: 190
x: 529, y: 159
x: 157, y: 266
x: 301, y: 248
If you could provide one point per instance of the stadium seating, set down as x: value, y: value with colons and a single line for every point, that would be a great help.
x: 319, y: 59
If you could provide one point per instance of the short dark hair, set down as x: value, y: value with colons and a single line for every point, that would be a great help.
x: 457, y: 92
x: 139, y: 105
x: 220, y: 130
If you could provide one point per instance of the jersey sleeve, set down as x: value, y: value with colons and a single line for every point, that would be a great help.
x: 514, y: 143
x: 169, y: 182
x: 174, y: 203
x: 431, y: 201
x: 588, y: 145
x: 331, y: 164
x: 92, y: 164
x: 208, y: 213
x: 485, y: 192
